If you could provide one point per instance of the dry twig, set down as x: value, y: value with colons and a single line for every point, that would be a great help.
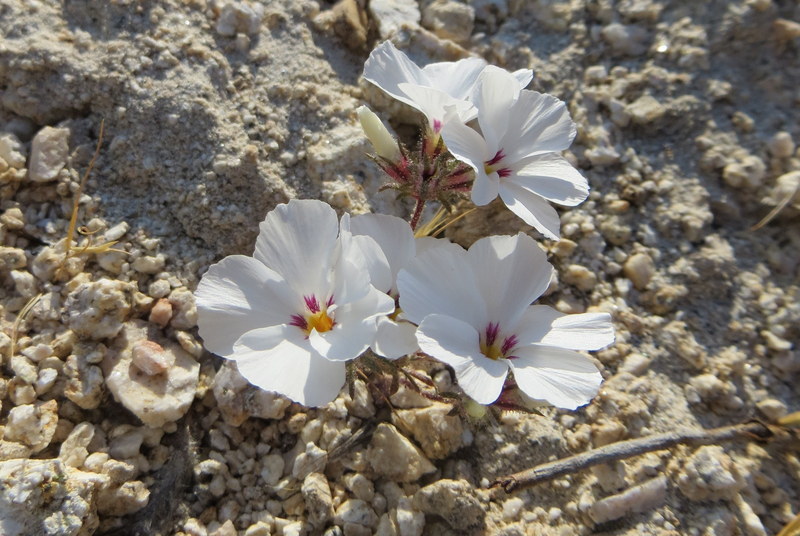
x: 752, y: 430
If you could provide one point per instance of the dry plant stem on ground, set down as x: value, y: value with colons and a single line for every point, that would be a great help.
x: 752, y: 430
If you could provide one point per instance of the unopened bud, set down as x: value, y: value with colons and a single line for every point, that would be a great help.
x: 377, y: 133
x: 475, y: 410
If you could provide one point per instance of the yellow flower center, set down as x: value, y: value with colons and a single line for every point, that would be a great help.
x: 493, y: 351
x: 319, y: 321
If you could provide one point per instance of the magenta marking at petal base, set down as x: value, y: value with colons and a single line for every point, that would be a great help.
x: 311, y: 303
x: 497, y: 157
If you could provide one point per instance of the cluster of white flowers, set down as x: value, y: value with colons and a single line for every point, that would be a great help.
x: 319, y: 292
x: 516, y: 152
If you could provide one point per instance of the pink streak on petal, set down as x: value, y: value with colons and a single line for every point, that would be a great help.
x: 299, y: 321
x: 508, y: 344
x: 491, y: 333
x: 496, y: 158
x: 312, y: 303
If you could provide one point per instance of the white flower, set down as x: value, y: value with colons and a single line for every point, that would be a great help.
x: 474, y: 313
x: 292, y: 314
x: 433, y: 88
x: 518, y: 156
x: 397, y: 247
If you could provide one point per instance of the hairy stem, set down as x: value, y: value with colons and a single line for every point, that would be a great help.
x: 417, y: 213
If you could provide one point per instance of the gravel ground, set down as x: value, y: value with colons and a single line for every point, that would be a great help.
x: 215, y: 111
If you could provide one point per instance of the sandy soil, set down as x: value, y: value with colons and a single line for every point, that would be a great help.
x: 215, y: 111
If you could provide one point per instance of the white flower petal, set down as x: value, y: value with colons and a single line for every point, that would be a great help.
x: 380, y: 271
x: 239, y: 294
x: 497, y: 92
x: 464, y: 143
x: 552, y: 177
x: 563, y: 378
x: 426, y: 243
x: 544, y: 325
x: 290, y: 368
x: 470, y: 147
x: 394, y: 340
x: 457, y: 344
x: 434, y: 104
x: 393, y: 235
x: 511, y: 272
x: 298, y: 240
x: 357, y: 261
x: 484, y: 188
x: 524, y: 77
x: 387, y: 68
x: 533, y: 210
x: 538, y: 123
x: 456, y: 78
x: 355, y: 327
x: 440, y: 281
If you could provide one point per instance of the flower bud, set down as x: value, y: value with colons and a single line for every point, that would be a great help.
x: 377, y: 133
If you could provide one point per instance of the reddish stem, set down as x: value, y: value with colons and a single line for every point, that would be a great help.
x: 417, y: 213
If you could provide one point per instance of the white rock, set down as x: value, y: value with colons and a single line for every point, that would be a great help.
x: 12, y: 258
x: 640, y: 269
x: 409, y: 521
x: 393, y: 456
x: 45, y: 380
x: 12, y: 150
x: 710, y: 475
x: 46, y: 497
x: 272, y: 468
x: 159, y: 399
x: 239, y: 17
x: 73, y: 451
x: 127, y: 444
x: 636, y: 364
x: 237, y: 399
x: 356, y: 511
x: 312, y: 460
x: 32, y: 424
x: 49, y: 151
x: 627, y: 39
x: 116, y: 232
x: 645, y: 109
x: 24, y: 283
x: 512, y: 508
x: 391, y: 15
x: 454, y: 501
x: 449, y: 19
x: 435, y: 430
x: 748, y: 172
x: 149, y: 264
x: 641, y: 498
x: 49, y: 264
x: 126, y: 499
x: 317, y: 495
x: 360, y: 486
x: 184, y: 307
x: 98, y: 309
x: 781, y: 145
x: 84, y: 382
x: 23, y: 368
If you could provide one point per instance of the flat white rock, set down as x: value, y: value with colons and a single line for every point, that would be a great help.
x: 155, y: 399
x: 49, y: 151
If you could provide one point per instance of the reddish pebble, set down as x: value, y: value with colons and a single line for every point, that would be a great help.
x: 161, y: 313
